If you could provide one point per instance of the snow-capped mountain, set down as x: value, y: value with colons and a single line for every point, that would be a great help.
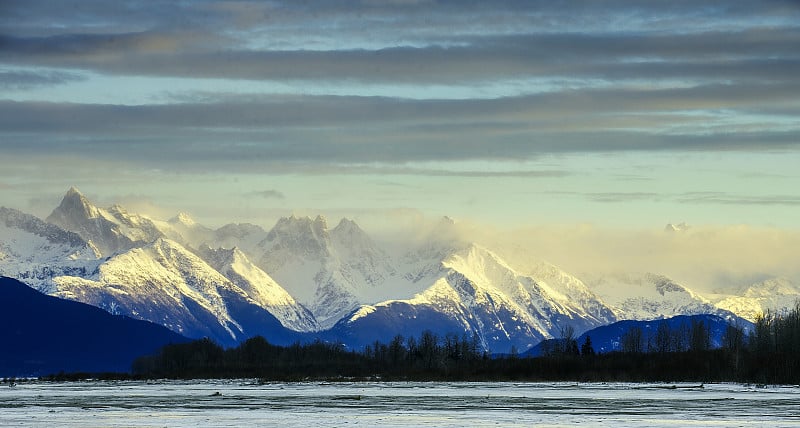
x: 35, y: 251
x: 156, y: 279
x: 244, y: 236
x: 778, y: 295
x: 260, y: 287
x: 302, y: 279
x: 479, y: 293
x: 111, y: 230
x: 331, y: 272
x: 165, y: 283
x: 182, y: 228
x: 647, y: 296
x: 361, y: 260
x: 161, y: 282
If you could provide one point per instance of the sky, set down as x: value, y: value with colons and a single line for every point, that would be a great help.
x: 618, y: 114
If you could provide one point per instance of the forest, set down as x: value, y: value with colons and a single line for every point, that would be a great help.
x: 769, y: 354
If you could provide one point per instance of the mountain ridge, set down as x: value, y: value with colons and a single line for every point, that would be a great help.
x: 302, y: 278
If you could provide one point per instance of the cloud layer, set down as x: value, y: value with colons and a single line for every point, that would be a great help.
x: 510, y: 111
x: 515, y: 79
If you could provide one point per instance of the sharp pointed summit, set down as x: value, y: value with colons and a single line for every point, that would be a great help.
x: 77, y: 214
x: 74, y: 205
x: 112, y: 231
x: 73, y: 191
x: 346, y: 224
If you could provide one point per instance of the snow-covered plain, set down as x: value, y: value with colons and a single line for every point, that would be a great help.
x: 248, y: 403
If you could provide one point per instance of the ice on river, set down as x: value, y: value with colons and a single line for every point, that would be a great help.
x: 248, y: 403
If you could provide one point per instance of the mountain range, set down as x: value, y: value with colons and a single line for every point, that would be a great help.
x: 302, y: 280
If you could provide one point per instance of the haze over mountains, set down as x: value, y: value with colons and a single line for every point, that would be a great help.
x: 304, y: 279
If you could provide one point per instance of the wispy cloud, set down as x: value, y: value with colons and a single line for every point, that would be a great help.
x: 18, y: 80
x: 267, y: 194
x: 381, y: 129
x: 614, y: 197
x: 764, y: 54
x: 719, y: 198
x: 708, y: 198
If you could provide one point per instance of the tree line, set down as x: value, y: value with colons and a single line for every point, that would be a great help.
x: 770, y: 353
x: 428, y: 356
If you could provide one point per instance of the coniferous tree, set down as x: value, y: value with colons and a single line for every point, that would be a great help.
x: 631, y: 342
x: 587, y: 350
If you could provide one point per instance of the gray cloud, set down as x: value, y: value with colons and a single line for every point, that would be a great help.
x: 615, y: 197
x: 17, y: 80
x: 268, y: 194
x: 312, y: 111
x: 611, y: 197
x: 623, y: 75
x: 762, y: 54
x: 711, y: 198
x: 719, y: 198
x: 406, y: 17
x: 366, y: 129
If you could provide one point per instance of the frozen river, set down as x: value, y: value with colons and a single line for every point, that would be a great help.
x: 247, y: 403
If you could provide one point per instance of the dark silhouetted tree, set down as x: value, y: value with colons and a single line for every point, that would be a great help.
x: 587, y: 350
x: 632, y: 342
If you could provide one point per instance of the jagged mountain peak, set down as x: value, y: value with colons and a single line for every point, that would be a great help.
x: 118, y: 209
x: 169, y: 249
x: 303, y: 235
x: 260, y: 287
x: 299, y: 224
x: 182, y: 218
x: 73, y: 205
x: 73, y: 191
x: 473, y: 255
x: 349, y: 233
x: 246, y: 236
x: 27, y: 222
x: 239, y: 230
x: 772, y: 287
x: 776, y: 295
x: 77, y: 214
x: 347, y: 225
x: 651, y: 296
x: 217, y: 257
x: 112, y: 230
x: 35, y: 251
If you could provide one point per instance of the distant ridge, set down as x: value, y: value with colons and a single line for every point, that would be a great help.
x: 608, y: 338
